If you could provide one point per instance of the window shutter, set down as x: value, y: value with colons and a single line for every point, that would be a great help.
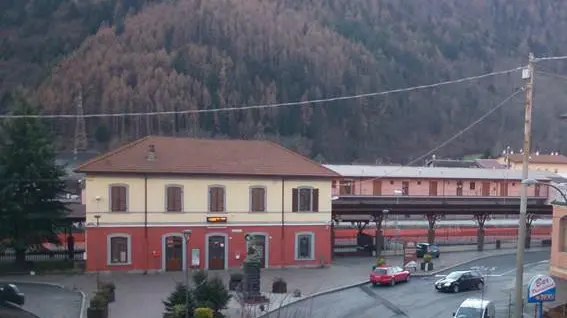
x: 213, y: 199
x: 294, y: 199
x: 220, y: 199
x: 315, y: 200
x: 169, y: 206
x: 114, y: 198
x: 123, y: 203
x: 178, y: 199
x: 262, y: 199
x: 254, y: 199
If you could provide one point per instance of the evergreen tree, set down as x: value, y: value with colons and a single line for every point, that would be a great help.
x: 30, y: 182
x: 177, y: 298
x: 210, y: 293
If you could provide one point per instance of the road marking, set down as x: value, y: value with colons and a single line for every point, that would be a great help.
x: 508, y: 271
x: 526, y: 265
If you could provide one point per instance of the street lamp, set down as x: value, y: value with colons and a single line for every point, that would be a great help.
x: 187, y: 236
x: 534, y: 181
x: 97, y: 218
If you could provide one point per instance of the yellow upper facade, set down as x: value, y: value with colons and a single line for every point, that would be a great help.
x: 146, y: 197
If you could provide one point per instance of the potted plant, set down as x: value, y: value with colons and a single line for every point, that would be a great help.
x: 235, y: 280
x: 108, y: 289
x: 379, y: 262
x: 427, y: 265
x: 98, y: 307
x: 279, y: 286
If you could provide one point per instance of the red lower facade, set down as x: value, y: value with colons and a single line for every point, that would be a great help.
x: 214, y: 248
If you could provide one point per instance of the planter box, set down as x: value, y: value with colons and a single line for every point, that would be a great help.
x: 426, y: 266
x: 110, y: 295
x: 279, y: 288
x: 97, y: 312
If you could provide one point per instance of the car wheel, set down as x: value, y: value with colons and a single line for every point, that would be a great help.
x: 374, y: 284
x: 455, y: 288
x: 393, y: 282
x: 480, y: 285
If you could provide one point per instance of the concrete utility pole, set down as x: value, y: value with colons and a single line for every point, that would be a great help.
x: 528, y: 76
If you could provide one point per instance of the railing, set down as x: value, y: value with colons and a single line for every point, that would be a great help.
x: 43, y: 256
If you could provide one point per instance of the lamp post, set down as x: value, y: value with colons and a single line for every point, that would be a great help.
x: 97, y: 218
x: 534, y: 182
x: 187, y: 236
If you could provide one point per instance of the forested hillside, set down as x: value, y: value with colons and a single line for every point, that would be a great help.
x: 145, y: 56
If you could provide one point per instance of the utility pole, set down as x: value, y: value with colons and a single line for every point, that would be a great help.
x: 528, y: 76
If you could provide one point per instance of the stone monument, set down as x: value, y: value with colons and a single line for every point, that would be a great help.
x: 252, y: 282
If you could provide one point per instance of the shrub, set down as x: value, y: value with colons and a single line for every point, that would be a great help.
x: 199, y: 277
x: 176, y: 300
x: 98, y: 301
x: 108, y: 286
x: 427, y: 258
x: 203, y: 312
x: 213, y: 294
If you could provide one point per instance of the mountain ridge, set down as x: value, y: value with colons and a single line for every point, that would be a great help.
x: 192, y: 54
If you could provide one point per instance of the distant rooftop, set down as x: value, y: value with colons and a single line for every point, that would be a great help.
x: 452, y: 163
x: 489, y: 164
x: 369, y: 171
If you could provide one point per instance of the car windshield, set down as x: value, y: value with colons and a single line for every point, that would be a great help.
x: 381, y: 271
x: 454, y: 275
x: 468, y: 312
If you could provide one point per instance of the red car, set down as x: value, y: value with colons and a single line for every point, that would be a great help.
x: 389, y: 275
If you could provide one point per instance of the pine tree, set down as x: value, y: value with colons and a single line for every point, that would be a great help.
x: 176, y: 298
x: 210, y: 293
x: 30, y: 182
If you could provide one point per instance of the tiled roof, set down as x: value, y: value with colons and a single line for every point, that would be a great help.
x: 435, y: 172
x: 542, y: 159
x: 177, y: 155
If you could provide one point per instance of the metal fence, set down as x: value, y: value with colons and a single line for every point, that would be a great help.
x: 43, y: 256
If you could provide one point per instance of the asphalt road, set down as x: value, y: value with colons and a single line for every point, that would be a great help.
x: 418, y: 298
x: 50, y: 301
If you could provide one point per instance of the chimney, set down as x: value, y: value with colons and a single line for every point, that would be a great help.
x: 151, y: 153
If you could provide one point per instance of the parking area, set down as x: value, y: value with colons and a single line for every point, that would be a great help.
x: 48, y: 301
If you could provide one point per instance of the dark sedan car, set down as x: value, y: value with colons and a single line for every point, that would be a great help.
x: 461, y: 280
x: 426, y: 248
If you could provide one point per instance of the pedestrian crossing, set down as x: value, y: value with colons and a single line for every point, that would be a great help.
x: 496, y: 272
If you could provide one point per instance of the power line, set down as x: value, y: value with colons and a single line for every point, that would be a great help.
x: 550, y: 58
x: 428, y: 153
x: 452, y: 138
x: 277, y: 105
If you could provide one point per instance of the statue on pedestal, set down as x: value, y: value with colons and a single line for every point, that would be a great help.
x: 252, y: 272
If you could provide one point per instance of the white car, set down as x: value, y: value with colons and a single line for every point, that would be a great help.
x: 476, y: 308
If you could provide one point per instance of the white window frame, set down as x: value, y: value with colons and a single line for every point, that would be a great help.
x: 109, y: 238
x: 311, y: 189
x: 311, y: 243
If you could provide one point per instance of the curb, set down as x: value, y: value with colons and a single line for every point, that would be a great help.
x: 355, y: 285
x: 83, y: 304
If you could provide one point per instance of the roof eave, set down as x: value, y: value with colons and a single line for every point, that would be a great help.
x: 99, y: 172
